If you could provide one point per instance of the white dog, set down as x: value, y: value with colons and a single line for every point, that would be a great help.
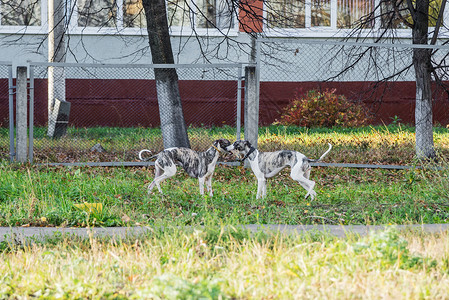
x: 268, y: 164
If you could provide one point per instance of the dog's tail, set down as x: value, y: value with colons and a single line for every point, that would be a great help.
x: 322, y: 156
x: 146, y: 159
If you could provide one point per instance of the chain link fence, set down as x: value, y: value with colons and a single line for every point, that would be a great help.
x: 381, y: 76
x: 114, y: 111
x: 6, y: 118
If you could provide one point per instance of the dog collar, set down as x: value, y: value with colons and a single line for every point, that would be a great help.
x: 219, y: 151
x: 251, y: 150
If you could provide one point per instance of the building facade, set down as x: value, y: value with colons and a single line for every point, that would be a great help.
x: 217, y: 31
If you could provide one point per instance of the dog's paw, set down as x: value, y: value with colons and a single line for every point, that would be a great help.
x: 312, y: 195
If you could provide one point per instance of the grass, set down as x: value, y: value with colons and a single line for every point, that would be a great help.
x: 218, y: 263
x: 46, y: 196
x: 345, y: 196
x: 392, y: 144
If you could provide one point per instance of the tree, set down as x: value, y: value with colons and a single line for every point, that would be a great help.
x: 417, y: 15
x: 56, y: 53
x: 173, y: 126
x: 423, y: 70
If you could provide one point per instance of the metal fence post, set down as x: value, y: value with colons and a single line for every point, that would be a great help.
x: 239, y: 103
x: 21, y: 114
x: 12, y: 149
x: 31, y: 124
x: 251, y: 114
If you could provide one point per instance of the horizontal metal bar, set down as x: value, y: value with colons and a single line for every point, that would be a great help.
x: 364, y: 166
x: 334, y: 43
x: 115, y: 164
x: 131, y: 66
x: 232, y: 164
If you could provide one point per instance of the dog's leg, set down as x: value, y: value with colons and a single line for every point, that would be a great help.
x: 201, y: 183
x: 169, y: 171
x: 306, y: 183
x: 157, y: 173
x: 264, y: 189
x: 311, y: 192
x: 261, y: 185
x: 209, y: 185
x: 307, y: 173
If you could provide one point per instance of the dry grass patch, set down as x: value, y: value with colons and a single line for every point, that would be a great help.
x: 222, y: 264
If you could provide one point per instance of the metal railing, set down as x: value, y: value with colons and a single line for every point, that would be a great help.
x: 114, y: 110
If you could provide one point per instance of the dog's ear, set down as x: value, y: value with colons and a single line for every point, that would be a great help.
x: 221, y: 143
x: 247, y: 144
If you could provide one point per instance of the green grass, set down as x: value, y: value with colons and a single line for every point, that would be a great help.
x: 345, y: 196
x: 46, y: 196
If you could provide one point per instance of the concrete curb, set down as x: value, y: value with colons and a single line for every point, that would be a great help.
x: 20, y: 235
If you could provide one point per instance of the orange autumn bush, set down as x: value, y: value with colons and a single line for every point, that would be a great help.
x: 323, y: 109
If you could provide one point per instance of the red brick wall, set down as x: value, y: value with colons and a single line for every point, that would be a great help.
x: 134, y: 103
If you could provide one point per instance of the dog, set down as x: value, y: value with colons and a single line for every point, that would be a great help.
x: 199, y: 165
x: 268, y: 164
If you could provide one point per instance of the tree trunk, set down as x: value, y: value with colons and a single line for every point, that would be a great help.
x: 174, y: 131
x: 56, y: 53
x: 422, y: 65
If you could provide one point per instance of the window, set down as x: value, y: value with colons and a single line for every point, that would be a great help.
x: 320, y: 18
x: 395, y: 13
x: 351, y: 12
x: 21, y: 12
x: 97, y: 13
x: 320, y: 13
x: 182, y: 15
x: 133, y: 14
x: 178, y: 13
x: 286, y: 14
x: 214, y: 14
x: 332, y: 14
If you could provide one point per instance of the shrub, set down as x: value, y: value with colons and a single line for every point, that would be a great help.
x: 323, y: 109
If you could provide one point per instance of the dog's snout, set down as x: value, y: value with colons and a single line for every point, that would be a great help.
x: 229, y: 147
x: 222, y: 144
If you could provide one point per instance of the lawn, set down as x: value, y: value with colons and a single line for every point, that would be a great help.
x: 393, y: 144
x: 181, y: 260
x: 40, y: 195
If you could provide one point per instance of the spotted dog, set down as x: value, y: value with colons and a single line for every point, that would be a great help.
x: 268, y: 164
x: 199, y: 165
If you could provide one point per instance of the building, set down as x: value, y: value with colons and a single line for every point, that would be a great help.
x: 107, y: 31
